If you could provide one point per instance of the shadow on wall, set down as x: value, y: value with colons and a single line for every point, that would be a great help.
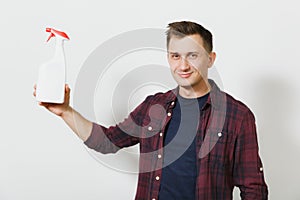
x: 277, y: 112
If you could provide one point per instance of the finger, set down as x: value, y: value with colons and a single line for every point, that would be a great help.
x: 45, y: 105
x: 34, y: 90
x: 67, y: 88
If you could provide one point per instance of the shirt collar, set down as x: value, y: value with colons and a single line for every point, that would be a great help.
x: 216, y: 99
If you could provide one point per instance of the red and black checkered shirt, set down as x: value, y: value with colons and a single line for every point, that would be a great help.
x: 226, y: 145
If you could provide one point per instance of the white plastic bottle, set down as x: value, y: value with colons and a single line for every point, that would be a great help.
x: 52, y: 75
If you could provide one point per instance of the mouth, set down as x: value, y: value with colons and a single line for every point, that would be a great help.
x: 184, y: 74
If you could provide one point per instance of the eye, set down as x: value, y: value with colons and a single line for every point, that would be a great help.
x: 175, y: 56
x: 193, y: 56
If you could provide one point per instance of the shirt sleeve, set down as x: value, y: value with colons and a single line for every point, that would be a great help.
x: 248, y: 172
x: 124, y: 134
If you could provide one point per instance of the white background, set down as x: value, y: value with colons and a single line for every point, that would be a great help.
x: 257, y: 43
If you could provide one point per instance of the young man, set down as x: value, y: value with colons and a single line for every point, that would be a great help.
x: 196, y: 142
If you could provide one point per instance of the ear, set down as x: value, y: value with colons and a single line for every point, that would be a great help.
x: 212, y: 58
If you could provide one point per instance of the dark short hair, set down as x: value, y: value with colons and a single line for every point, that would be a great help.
x: 185, y: 28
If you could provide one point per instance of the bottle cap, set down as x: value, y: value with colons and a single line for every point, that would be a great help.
x: 55, y: 33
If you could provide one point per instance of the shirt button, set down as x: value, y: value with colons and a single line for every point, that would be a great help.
x: 161, y: 134
x: 172, y: 103
x: 150, y: 128
x: 169, y: 114
x: 159, y: 156
x: 220, y: 134
x: 261, y: 169
x: 157, y: 178
x: 153, y: 199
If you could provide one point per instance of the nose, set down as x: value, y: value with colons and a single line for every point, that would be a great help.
x: 184, y: 64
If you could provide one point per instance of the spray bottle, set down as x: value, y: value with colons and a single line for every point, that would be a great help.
x: 52, y: 75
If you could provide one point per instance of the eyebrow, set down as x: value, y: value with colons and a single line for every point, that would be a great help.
x: 191, y: 52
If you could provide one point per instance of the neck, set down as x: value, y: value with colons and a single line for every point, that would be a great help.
x: 59, y: 51
x: 199, y: 90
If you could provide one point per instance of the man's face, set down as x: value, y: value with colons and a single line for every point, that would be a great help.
x: 189, y: 61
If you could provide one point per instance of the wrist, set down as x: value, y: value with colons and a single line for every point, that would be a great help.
x: 67, y: 113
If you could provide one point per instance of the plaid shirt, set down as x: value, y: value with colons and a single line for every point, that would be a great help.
x: 226, y: 145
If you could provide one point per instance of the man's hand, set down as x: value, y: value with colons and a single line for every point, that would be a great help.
x: 81, y: 126
x: 57, y: 109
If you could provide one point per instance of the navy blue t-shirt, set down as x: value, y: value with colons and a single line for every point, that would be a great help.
x: 179, y: 173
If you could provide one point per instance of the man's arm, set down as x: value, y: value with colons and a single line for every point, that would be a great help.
x: 80, y: 125
x: 248, y: 172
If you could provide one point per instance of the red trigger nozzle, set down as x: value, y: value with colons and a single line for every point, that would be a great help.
x: 50, y: 36
x: 55, y: 33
